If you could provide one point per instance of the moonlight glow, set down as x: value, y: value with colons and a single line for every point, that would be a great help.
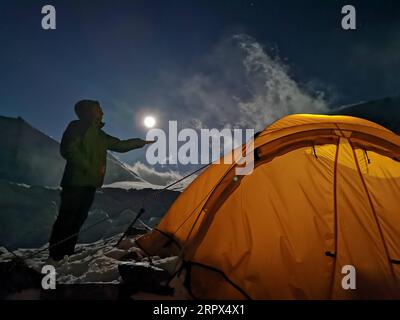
x: 149, y: 121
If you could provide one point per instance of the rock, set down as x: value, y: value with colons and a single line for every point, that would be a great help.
x: 3, y: 251
x: 16, y: 276
x: 143, y: 277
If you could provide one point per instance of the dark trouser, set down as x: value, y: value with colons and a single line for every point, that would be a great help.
x: 74, y: 208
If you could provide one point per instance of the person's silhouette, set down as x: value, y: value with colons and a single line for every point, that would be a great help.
x: 84, y: 145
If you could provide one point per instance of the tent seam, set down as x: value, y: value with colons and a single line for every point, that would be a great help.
x: 373, y: 211
x: 335, y: 228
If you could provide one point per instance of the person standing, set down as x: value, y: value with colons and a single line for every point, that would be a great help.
x: 84, y: 146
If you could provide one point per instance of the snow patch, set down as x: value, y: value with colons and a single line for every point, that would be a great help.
x: 95, y: 262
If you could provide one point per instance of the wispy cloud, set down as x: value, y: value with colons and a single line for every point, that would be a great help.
x: 238, y: 85
x: 275, y: 93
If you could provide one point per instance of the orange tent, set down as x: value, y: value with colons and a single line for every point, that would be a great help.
x: 324, y: 194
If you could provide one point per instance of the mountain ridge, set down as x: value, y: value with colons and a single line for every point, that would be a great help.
x: 385, y: 111
x: 30, y: 156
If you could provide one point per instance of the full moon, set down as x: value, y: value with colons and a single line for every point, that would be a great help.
x: 149, y: 121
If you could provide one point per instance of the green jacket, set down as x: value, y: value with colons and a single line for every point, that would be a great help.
x: 84, y: 146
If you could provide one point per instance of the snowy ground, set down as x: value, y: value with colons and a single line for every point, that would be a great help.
x: 98, y: 262
x: 139, y: 185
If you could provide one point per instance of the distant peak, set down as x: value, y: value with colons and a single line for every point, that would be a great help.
x: 19, y: 118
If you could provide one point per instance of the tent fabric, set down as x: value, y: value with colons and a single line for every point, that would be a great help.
x: 324, y: 194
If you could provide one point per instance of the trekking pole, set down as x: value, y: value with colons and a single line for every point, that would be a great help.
x: 140, y: 213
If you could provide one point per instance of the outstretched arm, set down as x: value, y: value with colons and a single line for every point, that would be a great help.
x: 115, y: 144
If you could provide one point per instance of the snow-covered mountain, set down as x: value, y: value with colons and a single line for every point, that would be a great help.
x: 27, y: 213
x: 31, y: 157
x: 385, y: 112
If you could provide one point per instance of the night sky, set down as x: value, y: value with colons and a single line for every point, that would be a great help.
x: 198, y: 62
